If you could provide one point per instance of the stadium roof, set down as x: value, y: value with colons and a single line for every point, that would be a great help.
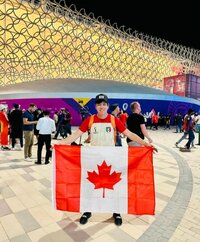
x: 71, y: 87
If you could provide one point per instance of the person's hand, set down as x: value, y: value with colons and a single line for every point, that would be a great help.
x: 87, y: 140
x: 154, y: 148
x: 150, y: 140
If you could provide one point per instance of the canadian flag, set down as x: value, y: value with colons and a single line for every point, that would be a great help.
x: 103, y: 179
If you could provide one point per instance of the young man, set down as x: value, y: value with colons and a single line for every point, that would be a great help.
x: 45, y: 126
x: 188, y: 125
x: 102, y: 134
x: 136, y: 124
x: 28, y: 129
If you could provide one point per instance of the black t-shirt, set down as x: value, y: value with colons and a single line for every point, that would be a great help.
x: 133, y: 124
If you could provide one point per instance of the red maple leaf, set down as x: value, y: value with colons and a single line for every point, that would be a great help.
x: 104, y: 179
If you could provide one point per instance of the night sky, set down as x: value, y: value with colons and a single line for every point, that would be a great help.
x: 178, y: 23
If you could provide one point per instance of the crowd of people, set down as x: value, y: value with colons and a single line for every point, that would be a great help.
x: 105, y: 128
x: 19, y: 128
x: 22, y: 129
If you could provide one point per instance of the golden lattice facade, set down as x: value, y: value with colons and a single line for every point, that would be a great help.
x: 42, y: 40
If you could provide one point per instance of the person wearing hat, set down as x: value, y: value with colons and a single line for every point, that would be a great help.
x: 3, y: 128
x: 115, y: 110
x: 100, y: 137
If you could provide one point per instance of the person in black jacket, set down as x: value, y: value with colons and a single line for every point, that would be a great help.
x: 16, y: 125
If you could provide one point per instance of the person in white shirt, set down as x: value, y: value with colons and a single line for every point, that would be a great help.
x: 46, y: 127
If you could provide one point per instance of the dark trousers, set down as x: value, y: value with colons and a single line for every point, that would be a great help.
x: 58, y: 130
x: 191, y: 138
x: 14, y: 137
x: 67, y: 129
x: 44, y: 139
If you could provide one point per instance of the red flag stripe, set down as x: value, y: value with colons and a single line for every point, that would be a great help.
x: 68, y: 176
x: 141, y: 194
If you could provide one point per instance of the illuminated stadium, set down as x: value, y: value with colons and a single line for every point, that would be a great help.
x: 42, y: 41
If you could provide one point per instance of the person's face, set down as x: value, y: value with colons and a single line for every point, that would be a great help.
x: 32, y: 109
x: 138, y: 107
x: 118, y: 109
x: 102, y: 108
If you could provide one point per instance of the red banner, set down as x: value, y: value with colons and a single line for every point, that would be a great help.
x: 175, y: 85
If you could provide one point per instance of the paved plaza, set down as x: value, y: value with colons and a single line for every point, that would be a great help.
x: 26, y: 212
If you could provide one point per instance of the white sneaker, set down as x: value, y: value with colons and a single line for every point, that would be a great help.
x: 27, y: 159
x: 32, y: 158
x: 18, y: 147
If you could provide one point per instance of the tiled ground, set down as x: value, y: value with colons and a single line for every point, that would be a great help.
x: 26, y: 213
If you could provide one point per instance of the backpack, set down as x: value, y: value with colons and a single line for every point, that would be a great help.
x: 112, y: 120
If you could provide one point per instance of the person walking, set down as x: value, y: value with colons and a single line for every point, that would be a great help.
x: 102, y: 133
x: 154, y: 121
x: 136, y: 124
x: 28, y: 129
x: 59, y: 128
x: 45, y: 126
x: 188, y: 126
x: 66, y: 125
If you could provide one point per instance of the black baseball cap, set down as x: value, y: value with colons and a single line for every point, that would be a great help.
x: 101, y: 98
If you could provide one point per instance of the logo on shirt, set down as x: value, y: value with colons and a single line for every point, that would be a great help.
x: 108, y: 129
x: 95, y: 130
